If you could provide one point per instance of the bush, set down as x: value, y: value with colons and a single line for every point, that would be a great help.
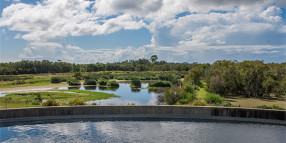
x: 89, y: 82
x: 102, y: 82
x: 57, y: 79
x: 191, y: 96
x: 227, y: 104
x: 76, y: 101
x: 270, y: 107
x: 189, y: 88
x: 184, y: 101
x: 135, y: 82
x: 112, y: 84
x: 93, y: 103
x: 52, y: 102
x: 35, y: 102
x: 73, y: 82
x: 212, y: 98
x: 173, y: 95
x: 38, y: 97
x: 199, y: 103
x: 160, y: 84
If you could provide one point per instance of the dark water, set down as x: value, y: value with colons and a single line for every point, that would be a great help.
x: 127, y: 94
x: 144, y: 131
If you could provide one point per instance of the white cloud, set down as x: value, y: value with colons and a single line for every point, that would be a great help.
x: 206, y: 24
x: 52, y: 18
x: 69, y: 53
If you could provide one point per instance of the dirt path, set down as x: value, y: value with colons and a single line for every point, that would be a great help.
x: 33, y: 87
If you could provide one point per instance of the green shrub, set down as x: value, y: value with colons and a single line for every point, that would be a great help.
x: 73, y: 82
x: 77, y: 75
x: 89, y: 82
x: 38, y: 97
x: 199, y: 103
x: 135, y: 82
x: 270, y: 107
x: 173, y: 95
x: 189, y: 88
x: 35, y: 102
x: 76, y: 101
x: 160, y: 84
x: 184, y: 101
x: 93, y: 103
x: 212, y: 98
x: 227, y: 104
x: 102, y: 82
x: 57, y: 79
x: 191, y: 96
x: 52, y: 102
x: 112, y: 84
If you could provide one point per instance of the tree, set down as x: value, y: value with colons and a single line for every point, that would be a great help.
x: 154, y: 58
x: 194, y: 76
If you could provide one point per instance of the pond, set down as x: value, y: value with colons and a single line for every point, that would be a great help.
x: 144, y: 131
x: 128, y: 95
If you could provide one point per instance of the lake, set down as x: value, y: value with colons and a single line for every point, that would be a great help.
x: 127, y: 94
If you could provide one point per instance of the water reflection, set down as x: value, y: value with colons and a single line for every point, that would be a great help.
x: 89, y: 87
x: 157, y: 90
x: 144, y: 131
x: 128, y: 95
x: 108, y: 88
x: 74, y: 88
x: 135, y: 90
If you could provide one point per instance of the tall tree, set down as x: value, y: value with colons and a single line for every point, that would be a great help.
x: 154, y: 58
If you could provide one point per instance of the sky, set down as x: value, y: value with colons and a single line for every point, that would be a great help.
x: 91, y: 31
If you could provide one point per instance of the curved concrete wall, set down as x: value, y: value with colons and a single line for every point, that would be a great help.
x: 145, y: 111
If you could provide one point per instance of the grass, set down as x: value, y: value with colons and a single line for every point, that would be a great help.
x: 254, y: 102
x: 201, y: 93
x: 34, y: 81
x: 28, y: 80
x: 16, y: 100
x: 270, y: 107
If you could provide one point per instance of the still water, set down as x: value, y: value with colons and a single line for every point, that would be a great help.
x: 127, y: 94
x: 144, y: 131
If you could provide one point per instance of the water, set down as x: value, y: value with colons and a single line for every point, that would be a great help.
x: 144, y: 131
x: 127, y: 94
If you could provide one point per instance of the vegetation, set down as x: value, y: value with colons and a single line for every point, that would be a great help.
x: 51, y: 98
x: 160, y: 84
x: 212, y: 98
x: 73, y: 82
x: 173, y: 95
x: 90, y: 82
x: 112, y: 84
x: 45, y: 66
x: 135, y: 82
x: 102, y: 82
x: 52, y: 102
x: 247, y: 78
x: 199, y: 103
x: 23, y: 80
x: 76, y: 101
x: 203, y: 84
x: 58, y: 79
x: 270, y: 107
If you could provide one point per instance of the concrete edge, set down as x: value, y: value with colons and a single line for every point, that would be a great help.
x: 137, y: 112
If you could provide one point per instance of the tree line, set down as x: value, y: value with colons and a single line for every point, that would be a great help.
x: 248, y: 78
x: 46, y: 66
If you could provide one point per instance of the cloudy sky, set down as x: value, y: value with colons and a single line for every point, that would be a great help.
x: 90, y: 31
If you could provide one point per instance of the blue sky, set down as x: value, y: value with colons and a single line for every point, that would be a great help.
x: 82, y: 31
